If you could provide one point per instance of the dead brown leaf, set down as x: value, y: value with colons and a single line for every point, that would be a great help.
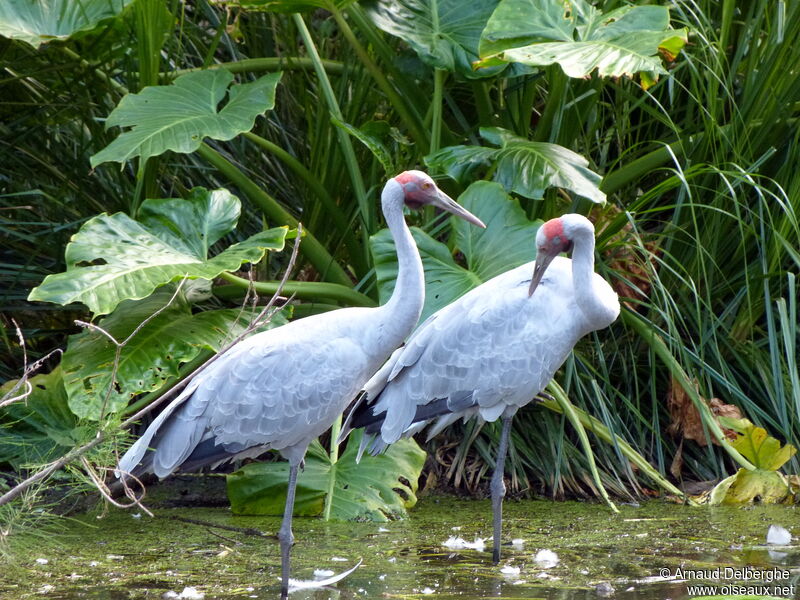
x: 685, y: 418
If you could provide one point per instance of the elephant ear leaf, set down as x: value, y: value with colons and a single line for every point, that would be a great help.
x: 39, y: 22
x: 178, y: 116
x: 378, y: 488
x: 114, y: 258
x: 523, y: 167
x: 624, y: 42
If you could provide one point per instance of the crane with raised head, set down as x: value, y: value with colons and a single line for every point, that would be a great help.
x: 492, y: 351
x: 282, y: 388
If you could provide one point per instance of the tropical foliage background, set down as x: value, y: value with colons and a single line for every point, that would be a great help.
x: 143, y: 141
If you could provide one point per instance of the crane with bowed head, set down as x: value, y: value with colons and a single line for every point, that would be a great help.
x: 282, y: 388
x: 493, y: 350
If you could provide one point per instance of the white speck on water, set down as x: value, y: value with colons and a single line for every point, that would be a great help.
x: 393, y: 559
x: 46, y: 589
x: 427, y: 591
x: 547, y: 559
x: 321, y: 573
x: 457, y: 543
x: 510, y: 571
x: 517, y: 543
x: 338, y: 559
x: 74, y: 576
x: 382, y: 530
x: 137, y: 515
x: 170, y: 595
x: 641, y: 535
x: 114, y: 557
x: 381, y: 577
x: 778, y: 536
x: 42, y: 561
x: 190, y: 593
x: 456, y: 528
x: 94, y: 563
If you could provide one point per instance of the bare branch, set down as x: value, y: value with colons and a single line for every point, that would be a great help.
x: 9, y: 397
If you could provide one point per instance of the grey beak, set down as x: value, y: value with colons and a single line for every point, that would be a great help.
x: 540, y: 266
x: 445, y: 202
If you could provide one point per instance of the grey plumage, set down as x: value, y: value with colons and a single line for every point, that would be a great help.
x: 494, y: 349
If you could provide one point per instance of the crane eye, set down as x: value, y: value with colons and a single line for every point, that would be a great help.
x: 426, y: 185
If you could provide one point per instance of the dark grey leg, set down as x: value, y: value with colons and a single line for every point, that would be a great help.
x: 498, y: 488
x: 285, y: 535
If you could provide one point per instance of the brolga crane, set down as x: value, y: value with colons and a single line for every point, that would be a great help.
x: 491, y: 351
x: 282, y: 388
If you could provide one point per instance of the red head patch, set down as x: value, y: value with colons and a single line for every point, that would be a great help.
x: 404, y: 177
x: 553, y: 228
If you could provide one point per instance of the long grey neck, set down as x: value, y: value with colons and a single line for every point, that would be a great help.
x: 403, y: 309
x: 590, y: 299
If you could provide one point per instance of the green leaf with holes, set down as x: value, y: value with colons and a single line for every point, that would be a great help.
x: 443, y: 33
x: 178, y: 116
x: 507, y: 242
x: 114, y: 258
x: 378, y: 488
x: 521, y: 166
x: 624, y: 42
x: 151, y: 358
x: 39, y: 21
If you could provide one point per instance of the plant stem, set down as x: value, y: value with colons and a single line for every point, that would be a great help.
x: 483, y: 103
x: 436, y: 117
x: 311, y: 247
x: 548, y: 127
x: 312, y: 290
x: 247, y: 65
x: 344, y: 138
x: 334, y: 458
x: 662, y: 351
x: 413, y: 124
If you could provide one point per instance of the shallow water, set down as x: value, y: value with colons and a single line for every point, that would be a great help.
x: 638, y: 553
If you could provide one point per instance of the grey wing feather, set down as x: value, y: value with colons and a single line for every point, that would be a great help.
x: 273, y: 392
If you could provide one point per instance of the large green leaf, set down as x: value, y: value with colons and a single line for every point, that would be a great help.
x: 507, y: 242
x: 40, y: 21
x: 114, y: 258
x: 151, y: 358
x: 177, y: 117
x: 521, y: 166
x: 376, y: 489
x: 444, y: 33
x: 580, y: 38
x: 509, y: 239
